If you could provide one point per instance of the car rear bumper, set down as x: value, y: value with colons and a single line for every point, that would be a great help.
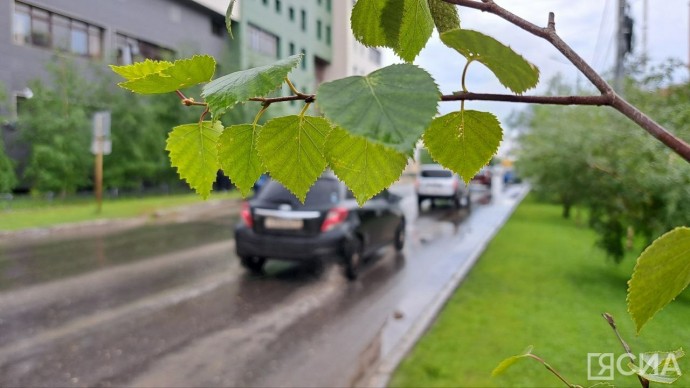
x: 329, y: 245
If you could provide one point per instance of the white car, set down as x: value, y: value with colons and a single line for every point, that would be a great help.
x: 434, y: 182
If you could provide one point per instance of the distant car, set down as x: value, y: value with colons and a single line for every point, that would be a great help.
x: 483, y: 177
x: 435, y: 182
x: 328, y: 226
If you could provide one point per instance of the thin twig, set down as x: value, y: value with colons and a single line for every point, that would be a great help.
x: 609, y: 318
x: 617, y: 102
x: 270, y: 100
x: 551, y: 100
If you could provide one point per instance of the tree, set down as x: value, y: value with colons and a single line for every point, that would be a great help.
x: 8, y: 179
x: 56, y: 123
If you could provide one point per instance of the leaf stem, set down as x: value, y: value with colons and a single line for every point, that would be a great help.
x: 464, y: 74
x: 258, y: 115
x: 304, y: 110
x: 552, y: 370
x: 609, y: 318
x: 292, y: 87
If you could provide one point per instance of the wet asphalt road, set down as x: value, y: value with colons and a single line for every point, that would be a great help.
x: 169, y: 305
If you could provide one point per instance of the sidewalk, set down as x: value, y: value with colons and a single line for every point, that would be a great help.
x: 398, y: 337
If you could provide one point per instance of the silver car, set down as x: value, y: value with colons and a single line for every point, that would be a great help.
x: 434, y: 182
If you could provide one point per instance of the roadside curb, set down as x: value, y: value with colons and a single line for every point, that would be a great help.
x: 380, y: 373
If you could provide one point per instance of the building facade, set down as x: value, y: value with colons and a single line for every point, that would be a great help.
x: 101, y: 31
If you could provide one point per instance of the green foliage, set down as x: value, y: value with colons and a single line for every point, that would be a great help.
x: 226, y: 91
x: 631, y: 187
x: 445, y: 15
x: 8, y: 178
x: 511, y: 69
x: 367, y: 168
x: 238, y: 156
x: 154, y: 77
x: 508, y: 362
x: 194, y: 151
x: 416, y: 27
x: 375, y: 22
x: 392, y: 106
x: 661, y: 274
x: 292, y: 149
x: 56, y: 124
x: 464, y: 141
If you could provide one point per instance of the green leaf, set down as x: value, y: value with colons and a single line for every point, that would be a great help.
x: 193, y: 151
x: 392, y: 105
x: 141, y: 69
x: 512, y: 70
x: 238, y: 156
x: 416, y: 28
x: 224, y: 92
x: 464, y: 141
x: 182, y: 74
x: 662, y: 272
x: 366, y: 167
x: 228, y: 18
x: 508, y: 362
x: 445, y: 15
x: 659, y: 367
x: 376, y: 23
x: 292, y: 149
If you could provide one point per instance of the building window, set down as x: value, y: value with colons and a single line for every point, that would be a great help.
x: 292, y: 48
x: 328, y: 35
x: 262, y: 41
x: 291, y: 13
x: 318, y: 29
x: 278, y: 6
x: 303, y: 20
x: 304, y: 59
x: 130, y: 50
x: 328, y: 5
x: 265, y: 2
x: 38, y: 27
x: 218, y: 27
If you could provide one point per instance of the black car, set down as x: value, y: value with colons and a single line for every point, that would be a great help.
x: 328, y: 226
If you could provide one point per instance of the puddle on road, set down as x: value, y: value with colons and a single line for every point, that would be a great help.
x: 39, y: 262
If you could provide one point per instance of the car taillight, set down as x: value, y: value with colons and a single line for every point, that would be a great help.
x: 246, y: 215
x: 335, y: 217
x: 456, y: 183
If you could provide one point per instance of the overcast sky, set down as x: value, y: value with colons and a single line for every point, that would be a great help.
x: 586, y: 25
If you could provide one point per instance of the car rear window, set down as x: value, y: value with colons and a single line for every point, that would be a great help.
x: 324, y: 192
x: 436, y: 174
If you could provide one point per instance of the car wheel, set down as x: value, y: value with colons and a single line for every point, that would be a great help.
x: 468, y: 203
x: 399, y: 239
x: 353, y: 259
x: 253, y: 263
x: 457, y: 202
x: 419, y: 203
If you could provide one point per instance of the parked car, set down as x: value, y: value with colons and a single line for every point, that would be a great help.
x: 328, y: 226
x: 435, y: 182
x: 483, y: 177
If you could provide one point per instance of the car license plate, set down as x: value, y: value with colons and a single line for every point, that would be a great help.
x: 283, y: 223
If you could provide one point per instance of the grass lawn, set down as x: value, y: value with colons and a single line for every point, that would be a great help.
x: 541, y: 282
x: 43, y: 215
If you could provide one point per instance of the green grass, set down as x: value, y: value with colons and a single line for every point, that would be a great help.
x: 42, y: 214
x: 541, y: 282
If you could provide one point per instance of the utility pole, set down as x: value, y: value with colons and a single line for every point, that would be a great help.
x: 620, y: 47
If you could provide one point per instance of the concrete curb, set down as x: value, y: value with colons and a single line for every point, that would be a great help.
x: 381, y: 372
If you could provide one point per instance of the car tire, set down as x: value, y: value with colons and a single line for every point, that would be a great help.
x: 353, y: 259
x: 399, y: 238
x: 419, y: 203
x: 253, y: 264
x: 457, y: 202
x: 468, y: 204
